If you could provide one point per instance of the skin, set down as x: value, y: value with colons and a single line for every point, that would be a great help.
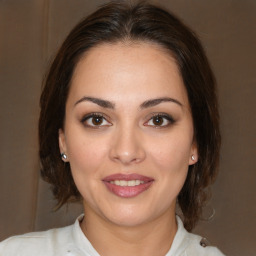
x: 128, y: 140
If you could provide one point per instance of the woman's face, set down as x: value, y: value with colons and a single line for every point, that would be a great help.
x: 128, y: 132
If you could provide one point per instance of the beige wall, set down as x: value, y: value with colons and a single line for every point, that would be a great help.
x: 30, y: 33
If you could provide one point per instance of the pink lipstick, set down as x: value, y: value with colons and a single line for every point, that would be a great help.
x: 127, y: 185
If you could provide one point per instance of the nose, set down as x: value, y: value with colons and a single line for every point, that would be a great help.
x: 127, y: 147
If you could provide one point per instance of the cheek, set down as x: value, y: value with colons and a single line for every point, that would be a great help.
x: 86, y: 158
x: 85, y: 154
x: 171, y: 152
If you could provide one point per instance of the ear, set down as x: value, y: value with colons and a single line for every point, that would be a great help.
x: 193, y: 158
x: 62, y: 142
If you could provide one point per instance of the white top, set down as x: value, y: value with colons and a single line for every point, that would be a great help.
x: 71, y: 241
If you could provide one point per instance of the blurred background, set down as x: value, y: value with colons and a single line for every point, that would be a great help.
x: 31, y: 32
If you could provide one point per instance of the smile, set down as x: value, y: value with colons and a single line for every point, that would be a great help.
x: 127, y: 185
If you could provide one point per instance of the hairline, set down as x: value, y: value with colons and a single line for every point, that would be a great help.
x: 129, y: 42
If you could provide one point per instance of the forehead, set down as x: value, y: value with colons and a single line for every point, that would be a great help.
x: 144, y: 69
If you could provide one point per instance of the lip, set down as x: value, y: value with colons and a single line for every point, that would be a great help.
x: 127, y: 191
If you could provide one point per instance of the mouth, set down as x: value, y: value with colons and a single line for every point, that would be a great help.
x: 127, y: 185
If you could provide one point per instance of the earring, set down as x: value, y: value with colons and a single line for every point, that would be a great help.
x: 193, y: 158
x: 63, y: 156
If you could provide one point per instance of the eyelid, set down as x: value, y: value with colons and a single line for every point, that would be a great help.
x: 166, y: 116
x: 95, y: 114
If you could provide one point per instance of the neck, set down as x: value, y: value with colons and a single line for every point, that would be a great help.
x: 152, y: 238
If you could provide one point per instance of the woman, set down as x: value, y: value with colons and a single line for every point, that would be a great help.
x: 128, y: 125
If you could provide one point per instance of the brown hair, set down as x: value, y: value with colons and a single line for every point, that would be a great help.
x: 120, y: 21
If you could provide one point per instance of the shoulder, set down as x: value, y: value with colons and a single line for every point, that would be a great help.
x: 200, y: 246
x: 189, y: 244
x: 36, y: 243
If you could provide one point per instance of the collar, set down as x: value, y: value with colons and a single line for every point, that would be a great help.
x: 179, y: 244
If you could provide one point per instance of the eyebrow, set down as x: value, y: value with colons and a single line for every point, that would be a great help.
x: 111, y: 105
x: 154, y: 102
x: 100, y: 102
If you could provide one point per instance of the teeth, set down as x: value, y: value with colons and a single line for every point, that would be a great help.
x: 125, y: 183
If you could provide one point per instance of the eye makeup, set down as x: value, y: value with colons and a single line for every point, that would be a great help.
x: 160, y: 120
x: 95, y: 120
x: 98, y: 120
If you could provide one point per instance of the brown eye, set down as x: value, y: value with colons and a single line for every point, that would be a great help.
x: 97, y: 120
x: 158, y: 120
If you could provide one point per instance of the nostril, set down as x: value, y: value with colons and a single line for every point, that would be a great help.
x: 127, y: 148
x: 128, y: 157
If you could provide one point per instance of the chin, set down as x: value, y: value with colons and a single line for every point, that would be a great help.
x: 128, y: 220
x: 132, y: 215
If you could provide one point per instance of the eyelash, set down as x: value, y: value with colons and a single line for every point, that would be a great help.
x: 163, y: 116
x: 95, y: 115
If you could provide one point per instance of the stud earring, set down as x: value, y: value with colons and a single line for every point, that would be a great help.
x: 63, y: 156
x: 193, y: 158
